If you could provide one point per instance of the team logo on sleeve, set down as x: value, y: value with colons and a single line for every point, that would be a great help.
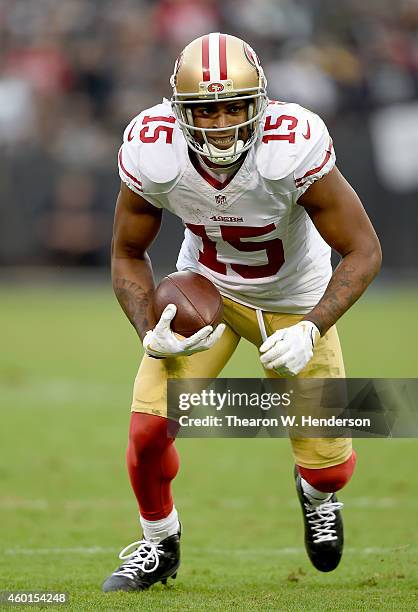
x: 131, y: 133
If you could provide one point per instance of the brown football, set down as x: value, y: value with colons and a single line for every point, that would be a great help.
x: 198, y: 301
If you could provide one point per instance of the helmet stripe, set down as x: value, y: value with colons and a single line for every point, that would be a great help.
x: 222, y: 57
x: 205, y: 58
x: 214, y: 56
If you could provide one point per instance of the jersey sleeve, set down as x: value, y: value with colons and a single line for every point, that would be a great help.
x: 318, y: 160
x: 296, y: 148
x: 129, y: 163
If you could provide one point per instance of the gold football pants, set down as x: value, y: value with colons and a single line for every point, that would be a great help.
x: 150, y: 388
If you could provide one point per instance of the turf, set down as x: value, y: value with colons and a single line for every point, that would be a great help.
x: 66, y: 368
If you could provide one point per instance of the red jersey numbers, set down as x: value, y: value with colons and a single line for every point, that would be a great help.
x: 235, y: 236
x: 289, y: 125
x: 273, y: 249
x: 208, y: 257
x: 151, y: 133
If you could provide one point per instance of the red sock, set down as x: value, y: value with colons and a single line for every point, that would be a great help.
x: 332, y: 478
x: 153, y: 462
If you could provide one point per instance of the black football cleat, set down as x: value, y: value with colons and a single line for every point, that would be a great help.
x: 147, y: 564
x: 324, y: 534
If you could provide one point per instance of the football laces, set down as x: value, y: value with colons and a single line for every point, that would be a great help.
x: 145, y: 557
x: 322, y: 521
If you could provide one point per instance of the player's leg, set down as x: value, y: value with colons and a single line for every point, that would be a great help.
x: 152, y: 458
x: 153, y: 463
x: 323, y: 465
x: 243, y: 320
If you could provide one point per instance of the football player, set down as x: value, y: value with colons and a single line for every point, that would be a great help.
x: 255, y: 184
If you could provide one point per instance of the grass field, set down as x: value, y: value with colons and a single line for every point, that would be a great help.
x: 67, y: 363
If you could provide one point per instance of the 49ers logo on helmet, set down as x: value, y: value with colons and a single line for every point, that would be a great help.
x: 214, y: 87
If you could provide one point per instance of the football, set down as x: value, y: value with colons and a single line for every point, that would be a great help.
x: 198, y: 301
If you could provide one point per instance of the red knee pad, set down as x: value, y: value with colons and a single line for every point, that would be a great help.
x: 152, y: 464
x: 332, y: 478
x: 148, y: 435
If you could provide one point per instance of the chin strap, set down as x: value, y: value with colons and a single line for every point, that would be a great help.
x: 227, y: 156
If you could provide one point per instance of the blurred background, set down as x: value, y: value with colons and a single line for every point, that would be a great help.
x: 73, y: 74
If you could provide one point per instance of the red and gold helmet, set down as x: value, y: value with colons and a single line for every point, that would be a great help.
x: 215, y: 68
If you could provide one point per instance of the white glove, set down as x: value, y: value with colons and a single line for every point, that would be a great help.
x: 163, y: 342
x: 288, y: 350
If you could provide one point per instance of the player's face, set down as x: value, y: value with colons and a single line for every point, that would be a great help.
x: 221, y: 115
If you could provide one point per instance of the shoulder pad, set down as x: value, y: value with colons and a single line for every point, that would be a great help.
x: 158, y: 147
x: 289, y: 134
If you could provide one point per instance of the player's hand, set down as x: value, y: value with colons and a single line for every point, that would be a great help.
x: 163, y: 342
x: 288, y: 350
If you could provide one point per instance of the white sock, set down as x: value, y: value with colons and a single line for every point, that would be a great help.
x: 314, y: 496
x: 155, y: 531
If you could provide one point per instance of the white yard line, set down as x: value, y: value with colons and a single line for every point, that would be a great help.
x: 239, y: 552
x: 377, y: 503
x: 64, y: 391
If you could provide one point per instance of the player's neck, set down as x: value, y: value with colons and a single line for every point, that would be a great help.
x: 217, y: 169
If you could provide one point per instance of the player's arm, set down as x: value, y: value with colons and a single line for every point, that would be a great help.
x: 135, y: 227
x: 340, y: 218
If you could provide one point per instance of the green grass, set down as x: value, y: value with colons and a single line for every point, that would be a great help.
x: 67, y: 364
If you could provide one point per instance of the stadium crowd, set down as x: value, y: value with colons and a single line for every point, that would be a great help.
x: 73, y: 73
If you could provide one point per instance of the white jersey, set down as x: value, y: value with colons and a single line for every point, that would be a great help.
x: 248, y: 235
